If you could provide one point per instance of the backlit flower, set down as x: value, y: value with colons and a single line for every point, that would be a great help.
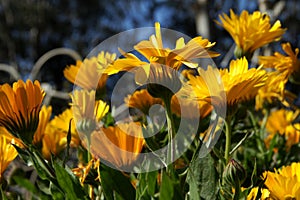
x: 250, y: 31
x: 221, y: 87
x: 274, y: 90
x: 92, y: 72
x: 20, y: 107
x: 87, y: 111
x: 62, y: 122
x: 44, y: 119
x: 281, y: 122
x: 119, y: 145
x: 286, y: 64
x: 142, y: 100
x: 284, y: 183
x: 7, y: 154
x: 155, y: 52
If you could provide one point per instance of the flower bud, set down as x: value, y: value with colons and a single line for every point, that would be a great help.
x: 234, y: 174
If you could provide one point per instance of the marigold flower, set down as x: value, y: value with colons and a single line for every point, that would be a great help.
x: 250, y: 31
x: 92, y: 74
x: 154, y: 51
x: 228, y: 87
x: 286, y: 64
x: 281, y: 122
x: 20, y: 107
x: 265, y: 194
x: 284, y: 183
x: 7, y: 154
x: 119, y: 145
x: 86, y: 110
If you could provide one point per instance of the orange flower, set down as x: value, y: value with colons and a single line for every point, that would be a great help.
x: 20, y: 107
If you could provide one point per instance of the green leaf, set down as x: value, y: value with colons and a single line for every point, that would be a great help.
x: 170, y: 188
x: 69, y: 183
x: 202, y: 178
x: 25, y: 183
x: 146, y: 185
x: 113, y: 181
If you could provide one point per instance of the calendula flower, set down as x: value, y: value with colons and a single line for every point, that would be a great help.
x: 286, y: 64
x: 265, y: 194
x: 142, y: 100
x: 20, y: 107
x: 119, y: 145
x: 284, y: 183
x: 228, y: 87
x: 281, y: 122
x: 250, y: 31
x: 92, y: 74
x: 87, y: 111
x: 44, y: 119
x: 62, y: 122
x: 7, y: 154
x: 155, y: 52
x: 274, y: 90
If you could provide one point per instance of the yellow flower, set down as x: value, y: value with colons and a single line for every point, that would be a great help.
x: 82, y: 171
x: 250, y: 31
x: 274, y: 91
x: 286, y: 64
x: 229, y: 87
x: 10, y: 137
x: 20, y: 107
x: 44, y: 119
x: 92, y: 72
x: 87, y: 112
x: 61, y: 123
x: 284, y: 183
x: 142, y: 100
x: 265, y: 194
x: 7, y: 154
x: 119, y: 145
x: 154, y: 51
x: 281, y: 121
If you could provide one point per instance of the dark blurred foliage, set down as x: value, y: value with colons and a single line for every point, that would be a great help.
x: 30, y: 28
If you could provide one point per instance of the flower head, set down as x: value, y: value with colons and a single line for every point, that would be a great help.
x: 250, y: 31
x: 284, y: 183
x: 90, y: 73
x: 155, y: 52
x: 120, y: 145
x: 286, y: 64
x: 86, y: 110
x: 44, y: 119
x: 20, y: 107
x: 281, y: 122
x: 7, y: 154
x: 229, y: 87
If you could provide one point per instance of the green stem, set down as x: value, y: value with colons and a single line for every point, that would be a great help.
x: 171, y: 133
x: 228, y: 139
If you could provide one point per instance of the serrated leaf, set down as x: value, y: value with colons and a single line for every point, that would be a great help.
x: 202, y: 178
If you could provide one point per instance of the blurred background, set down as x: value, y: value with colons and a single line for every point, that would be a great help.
x: 31, y: 28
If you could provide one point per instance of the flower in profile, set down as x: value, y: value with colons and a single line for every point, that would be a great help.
x: 44, y: 119
x: 228, y: 87
x: 87, y: 111
x: 250, y: 31
x: 90, y: 73
x: 142, y: 100
x: 286, y: 64
x: 62, y: 122
x: 119, y: 145
x: 155, y: 52
x: 281, y: 122
x: 7, y: 154
x: 284, y: 183
x: 273, y: 91
x: 20, y: 107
